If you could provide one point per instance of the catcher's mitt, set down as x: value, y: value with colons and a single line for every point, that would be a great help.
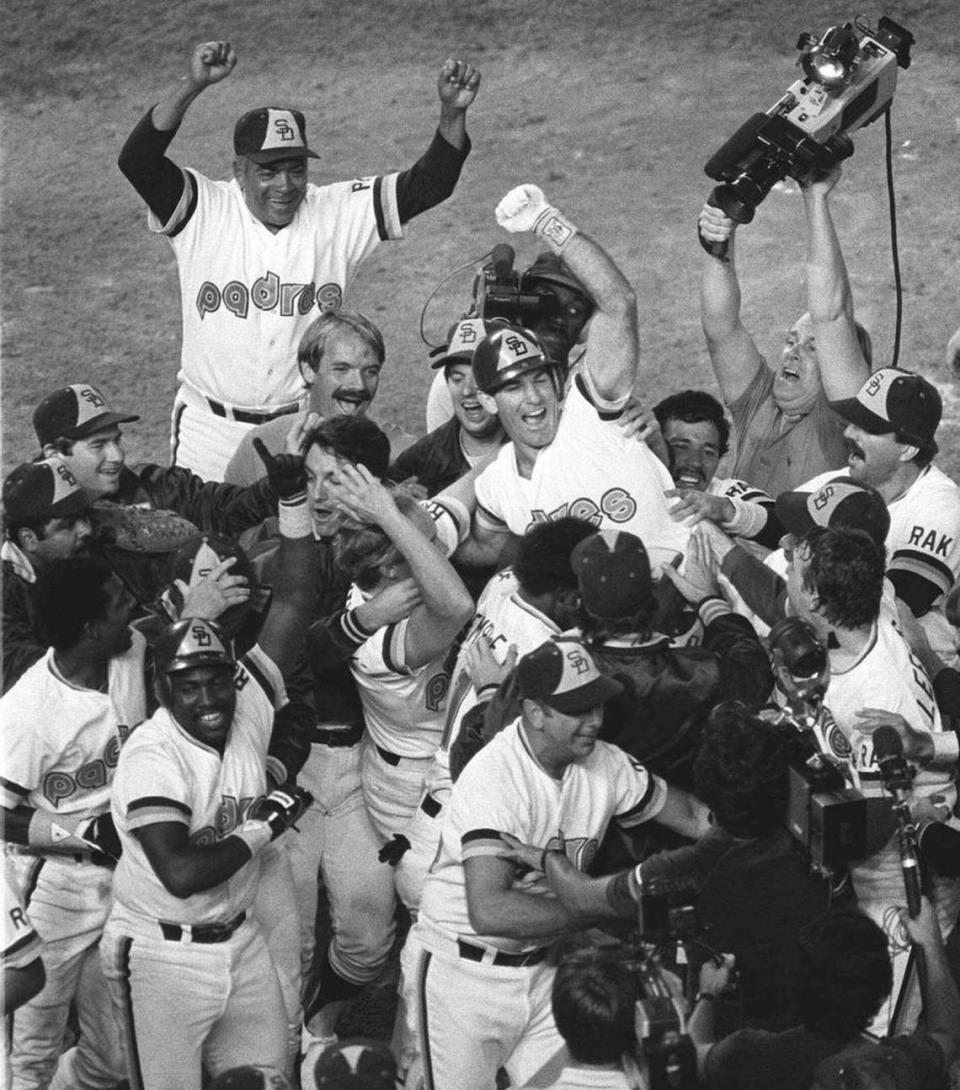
x: 139, y: 529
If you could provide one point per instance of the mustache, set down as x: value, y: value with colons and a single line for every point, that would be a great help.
x: 853, y: 447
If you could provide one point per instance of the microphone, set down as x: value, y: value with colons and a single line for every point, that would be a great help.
x: 898, y: 779
x: 502, y: 256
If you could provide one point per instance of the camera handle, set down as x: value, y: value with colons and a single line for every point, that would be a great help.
x: 724, y: 198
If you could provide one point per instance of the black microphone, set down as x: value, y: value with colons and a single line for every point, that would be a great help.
x: 898, y: 779
x: 502, y: 256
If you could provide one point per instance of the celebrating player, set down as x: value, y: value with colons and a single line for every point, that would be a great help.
x: 580, y: 463
x: 63, y: 725
x: 190, y: 975
x: 245, y: 302
x: 483, y: 981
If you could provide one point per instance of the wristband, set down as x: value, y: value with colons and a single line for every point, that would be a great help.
x: 296, y: 520
x: 748, y: 518
x: 705, y: 995
x: 255, y: 834
x: 553, y: 227
x: 64, y: 833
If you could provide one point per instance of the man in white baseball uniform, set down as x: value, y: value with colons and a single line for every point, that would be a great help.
x: 579, y: 463
x: 835, y: 580
x: 190, y: 975
x: 483, y: 982
x: 401, y: 671
x: 63, y: 724
x: 261, y: 255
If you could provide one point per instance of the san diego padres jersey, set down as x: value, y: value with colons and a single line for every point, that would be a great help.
x: 505, y: 790
x: 924, y: 539
x: 403, y: 707
x: 248, y: 293
x: 592, y: 471
x: 165, y: 774
x: 60, y: 743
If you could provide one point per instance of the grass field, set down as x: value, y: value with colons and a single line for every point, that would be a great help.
x: 612, y: 108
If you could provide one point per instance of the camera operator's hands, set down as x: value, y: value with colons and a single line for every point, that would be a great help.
x: 925, y: 929
x: 820, y: 183
x: 917, y: 744
x: 714, y: 226
x: 717, y: 974
x: 521, y: 208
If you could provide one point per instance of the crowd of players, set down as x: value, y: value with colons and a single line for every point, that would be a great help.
x: 513, y: 675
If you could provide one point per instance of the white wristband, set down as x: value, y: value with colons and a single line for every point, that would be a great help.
x: 295, y: 517
x: 255, y: 834
x: 553, y: 227
x: 748, y: 518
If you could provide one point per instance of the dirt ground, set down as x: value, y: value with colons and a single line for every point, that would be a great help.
x: 612, y: 108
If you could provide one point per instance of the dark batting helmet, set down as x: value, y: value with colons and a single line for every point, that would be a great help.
x: 190, y: 643
x: 505, y: 354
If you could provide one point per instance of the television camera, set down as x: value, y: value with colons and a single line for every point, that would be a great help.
x: 848, y: 81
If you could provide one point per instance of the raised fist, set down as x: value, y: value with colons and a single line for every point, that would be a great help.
x: 211, y: 62
x: 521, y: 208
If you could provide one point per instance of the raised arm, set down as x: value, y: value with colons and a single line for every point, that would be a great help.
x: 613, y: 351
x: 733, y: 353
x: 445, y: 604
x: 157, y: 179
x: 843, y: 368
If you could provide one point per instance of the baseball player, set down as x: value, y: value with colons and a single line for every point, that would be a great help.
x: 190, y: 974
x: 482, y: 987
x: 261, y: 255
x: 23, y: 972
x: 401, y: 671
x: 45, y: 518
x: 579, y: 463
x: 890, y: 437
x: 63, y: 724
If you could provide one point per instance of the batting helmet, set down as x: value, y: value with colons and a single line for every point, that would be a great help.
x: 189, y: 643
x: 193, y: 561
x: 505, y: 354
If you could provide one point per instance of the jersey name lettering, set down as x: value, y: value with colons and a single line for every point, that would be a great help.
x: 267, y: 292
x: 938, y: 544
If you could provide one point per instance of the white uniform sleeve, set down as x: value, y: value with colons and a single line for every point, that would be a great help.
x: 151, y: 788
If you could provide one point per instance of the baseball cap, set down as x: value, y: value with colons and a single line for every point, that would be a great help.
x: 562, y: 673
x: 75, y: 412
x: 840, y: 502
x: 874, y: 1065
x: 356, y: 1063
x: 549, y: 268
x: 894, y: 400
x: 462, y: 338
x: 45, y: 489
x: 271, y: 132
x: 613, y: 570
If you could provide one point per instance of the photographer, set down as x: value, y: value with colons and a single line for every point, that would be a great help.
x: 747, y: 878
x: 846, y: 976
x: 785, y: 430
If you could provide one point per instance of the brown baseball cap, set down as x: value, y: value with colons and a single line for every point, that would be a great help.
x: 894, y: 400
x: 269, y: 133
x: 840, y: 502
x: 74, y: 412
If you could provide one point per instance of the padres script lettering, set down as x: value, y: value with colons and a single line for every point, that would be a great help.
x: 267, y: 293
x: 231, y: 813
x: 616, y: 504
x: 59, y: 784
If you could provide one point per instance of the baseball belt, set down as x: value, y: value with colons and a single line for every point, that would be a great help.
x: 482, y: 953
x: 243, y: 417
x: 348, y: 736
x: 203, y: 932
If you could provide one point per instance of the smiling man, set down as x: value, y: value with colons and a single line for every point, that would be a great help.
x: 784, y: 427
x: 260, y: 256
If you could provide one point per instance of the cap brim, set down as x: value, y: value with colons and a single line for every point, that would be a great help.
x: 98, y: 423
x: 851, y: 409
x: 589, y: 696
x: 454, y: 357
x: 274, y: 155
x: 793, y: 513
x: 74, y: 504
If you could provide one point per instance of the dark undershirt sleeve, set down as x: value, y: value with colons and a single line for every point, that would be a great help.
x: 431, y: 179
x: 157, y: 179
x: 917, y: 592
